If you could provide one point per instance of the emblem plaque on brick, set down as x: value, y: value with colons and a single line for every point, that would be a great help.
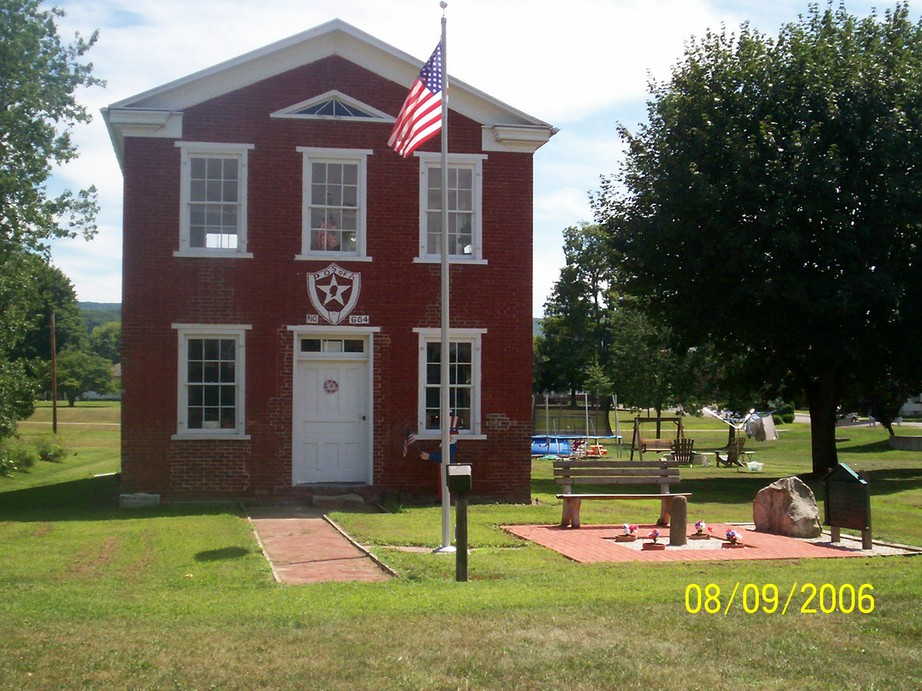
x: 334, y: 292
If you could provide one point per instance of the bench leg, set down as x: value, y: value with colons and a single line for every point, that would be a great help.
x: 570, y: 516
x: 665, y: 506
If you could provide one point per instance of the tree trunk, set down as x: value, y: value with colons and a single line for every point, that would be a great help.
x: 822, y: 398
x: 606, y: 416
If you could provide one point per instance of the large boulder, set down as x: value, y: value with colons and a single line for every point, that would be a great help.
x: 787, y: 507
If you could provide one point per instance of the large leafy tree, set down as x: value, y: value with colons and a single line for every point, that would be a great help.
x: 39, y: 78
x: 772, y: 204
x: 80, y: 372
x: 575, y: 314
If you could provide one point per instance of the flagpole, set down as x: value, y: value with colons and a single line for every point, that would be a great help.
x: 444, y: 390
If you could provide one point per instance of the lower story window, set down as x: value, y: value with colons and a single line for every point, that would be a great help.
x: 464, y: 383
x: 211, y: 380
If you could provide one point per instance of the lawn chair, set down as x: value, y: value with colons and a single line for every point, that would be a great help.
x: 734, y: 452
x: 683, y: 451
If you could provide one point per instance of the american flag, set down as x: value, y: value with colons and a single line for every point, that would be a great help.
x: 420, y: 117
x: 408, y: 440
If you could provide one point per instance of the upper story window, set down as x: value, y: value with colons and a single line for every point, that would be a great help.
x: 213, y: 199
x: 465, y: 202
x: 333, y: 206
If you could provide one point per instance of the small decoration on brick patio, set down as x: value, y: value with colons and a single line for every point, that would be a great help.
x: 734, y: 539
x: 630, y: 533
x: 702, y: 531
x: 653, y: 544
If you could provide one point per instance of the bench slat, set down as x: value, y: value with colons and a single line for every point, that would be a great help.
x: 618, y: 472
x: 618, y: 481
x: 624, y: 496
x: 613, y: 464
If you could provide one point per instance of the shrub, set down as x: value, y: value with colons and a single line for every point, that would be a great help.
x: 15, y: 456
x: 784, y: 413
x: 50, y: 451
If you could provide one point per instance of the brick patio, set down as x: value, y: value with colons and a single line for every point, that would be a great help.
x: 592, y: 544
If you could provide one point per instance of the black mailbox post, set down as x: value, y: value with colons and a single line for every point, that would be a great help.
x: 459, y: 485
x: 848, y: 503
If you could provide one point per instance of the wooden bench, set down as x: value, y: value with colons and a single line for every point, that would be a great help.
x: 656, y: 445
x: 569, y: 473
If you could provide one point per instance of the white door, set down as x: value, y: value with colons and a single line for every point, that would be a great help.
x: 331, y: 422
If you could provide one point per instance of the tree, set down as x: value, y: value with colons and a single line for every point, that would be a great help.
x: 46, y: 290
x: 771, y: 205
x: 39, y: 76
x: 79, y: 372
x: 106, y: 341
x: 575, y: 313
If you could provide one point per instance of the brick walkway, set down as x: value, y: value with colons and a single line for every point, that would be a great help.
x: 302, y: 546
x: 589, y: 544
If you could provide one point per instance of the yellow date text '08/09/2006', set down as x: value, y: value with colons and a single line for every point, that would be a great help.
x: 751, y: 598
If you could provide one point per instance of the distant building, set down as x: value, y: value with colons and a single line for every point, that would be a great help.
x: 280, y: 311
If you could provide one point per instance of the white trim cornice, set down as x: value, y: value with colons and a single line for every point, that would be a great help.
x: 333, y: 38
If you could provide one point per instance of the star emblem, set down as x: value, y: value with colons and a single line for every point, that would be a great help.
x: 334, y: 292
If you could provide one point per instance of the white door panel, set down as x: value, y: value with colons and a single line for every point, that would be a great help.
x: 331, y: 423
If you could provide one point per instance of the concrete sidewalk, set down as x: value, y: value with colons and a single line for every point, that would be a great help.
x: 304, y: 546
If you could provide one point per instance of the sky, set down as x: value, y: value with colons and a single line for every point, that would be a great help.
x: 584, y: 66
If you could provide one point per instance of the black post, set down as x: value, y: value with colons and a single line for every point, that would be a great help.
x: 461, y: 538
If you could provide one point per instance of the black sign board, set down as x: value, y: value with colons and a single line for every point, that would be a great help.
x: 848, y: 502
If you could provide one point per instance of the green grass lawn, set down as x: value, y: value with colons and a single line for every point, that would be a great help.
x: 180, y: 596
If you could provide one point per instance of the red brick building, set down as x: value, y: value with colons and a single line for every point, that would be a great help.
x: 280, y: 314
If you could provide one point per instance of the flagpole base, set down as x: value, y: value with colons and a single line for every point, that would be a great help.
x: 445, y: 549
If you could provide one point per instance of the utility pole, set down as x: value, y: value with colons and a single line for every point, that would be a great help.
x: 54, y: 380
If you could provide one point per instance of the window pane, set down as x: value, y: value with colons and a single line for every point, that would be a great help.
x: 354, y: 346
x: 310, y: 345
x: 212, y: 349
x: 212, y: 383
x: 228, y: 349
x: 197, y: 191
x: 227, y: 396
x: 210, y: 395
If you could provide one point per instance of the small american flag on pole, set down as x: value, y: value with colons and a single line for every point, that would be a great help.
x: 420, y: 118
x: 408, y: 440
